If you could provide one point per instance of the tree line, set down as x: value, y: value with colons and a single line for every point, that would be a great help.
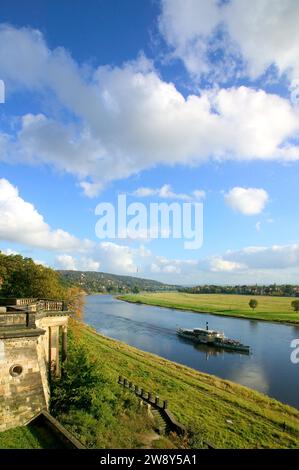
x: 282, y: 290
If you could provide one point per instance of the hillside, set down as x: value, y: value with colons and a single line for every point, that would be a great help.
x: 93, y: 282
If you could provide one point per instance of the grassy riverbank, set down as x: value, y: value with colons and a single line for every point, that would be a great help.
x: 277, y: 309
x: 228, y: 415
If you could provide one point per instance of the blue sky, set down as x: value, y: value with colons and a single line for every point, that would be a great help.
x: 164, y: 98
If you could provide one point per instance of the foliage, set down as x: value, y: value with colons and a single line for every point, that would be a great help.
x: 75, y: 388
x: 295, y: 305
x: 98, y: 282
x: 22, y: 277
x: 253, y: 303
x: 285, y: 290
x: 76, y: 300
x: 135, y: 290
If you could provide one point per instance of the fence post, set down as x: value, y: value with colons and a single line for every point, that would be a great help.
x: 120, y: 380
x: 157, y: 401
x: 149, y: 396
x: 165, y: 404
x: 125, y: 382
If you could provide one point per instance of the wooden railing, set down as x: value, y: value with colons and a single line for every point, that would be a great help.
x: 155, y: 402
x: 162, y: 405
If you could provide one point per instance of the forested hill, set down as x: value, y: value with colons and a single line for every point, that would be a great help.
x: 93, y: 281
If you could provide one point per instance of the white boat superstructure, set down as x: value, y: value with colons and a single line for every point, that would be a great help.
x: 212, y: 337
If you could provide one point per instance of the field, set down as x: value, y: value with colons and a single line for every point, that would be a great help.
x: 276, y: 309
x: 226, y: 414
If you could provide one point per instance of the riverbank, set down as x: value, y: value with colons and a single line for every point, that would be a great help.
x: 219, y: 411
x: 274, y: 309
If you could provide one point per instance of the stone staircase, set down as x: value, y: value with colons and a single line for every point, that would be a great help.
x: 161, y: 424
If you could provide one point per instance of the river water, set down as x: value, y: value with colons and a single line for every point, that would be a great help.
x: 268, y: 368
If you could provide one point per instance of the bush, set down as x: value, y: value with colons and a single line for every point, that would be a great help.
x: 75, y: 388
x: 295, y: 305
x: 253, y: 303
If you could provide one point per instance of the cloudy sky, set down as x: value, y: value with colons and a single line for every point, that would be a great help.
x: 168, y: 101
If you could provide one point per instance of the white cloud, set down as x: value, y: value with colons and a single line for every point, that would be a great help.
x: 66, y: 262
x: 267, y: 33
x: 255, y: 264
x: 118, y: 258
x: 222, y: 265
x: 248, y: 201
x: 20, y: 222
x: 89, y: 264
x: 186, y: 25
x: 77, y: 264
x: 107, y: 256
x: 161, y: 264
x: 272, y: 258
x: 165, y: 192
x: 262, y: 32
x: 277, y: 263
x: 129, y: 119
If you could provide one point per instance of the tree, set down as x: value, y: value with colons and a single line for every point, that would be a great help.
x: 74, y: 390
x: 22, y: 277
x: 135, y: 290
x: 253, y: 303
x: 76, y: 301
x: 295, y: 305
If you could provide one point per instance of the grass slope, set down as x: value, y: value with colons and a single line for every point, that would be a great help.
x: 28, y: 437
x: 228, y: 415
x: 269, y: 308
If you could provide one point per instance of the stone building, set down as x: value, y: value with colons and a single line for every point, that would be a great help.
x: 33, y: 342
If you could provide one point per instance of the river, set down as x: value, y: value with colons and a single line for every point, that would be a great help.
x: 268, y: 368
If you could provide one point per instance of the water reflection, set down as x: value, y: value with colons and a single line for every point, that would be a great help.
x: 253, y: 376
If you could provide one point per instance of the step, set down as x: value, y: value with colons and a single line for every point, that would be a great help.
x: 161, y: 423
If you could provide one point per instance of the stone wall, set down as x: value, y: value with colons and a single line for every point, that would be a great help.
x: 29, y: 352
x: 21, y: 391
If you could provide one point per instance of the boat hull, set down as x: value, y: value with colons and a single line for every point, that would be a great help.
x: 218, y: 344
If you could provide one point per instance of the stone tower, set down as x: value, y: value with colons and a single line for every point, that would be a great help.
x: 31, y: 331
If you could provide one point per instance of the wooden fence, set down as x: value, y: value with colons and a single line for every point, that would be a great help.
x: 156, y: 403
x: 161, y: 405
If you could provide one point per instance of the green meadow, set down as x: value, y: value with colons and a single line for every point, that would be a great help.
x: 276, y: 309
